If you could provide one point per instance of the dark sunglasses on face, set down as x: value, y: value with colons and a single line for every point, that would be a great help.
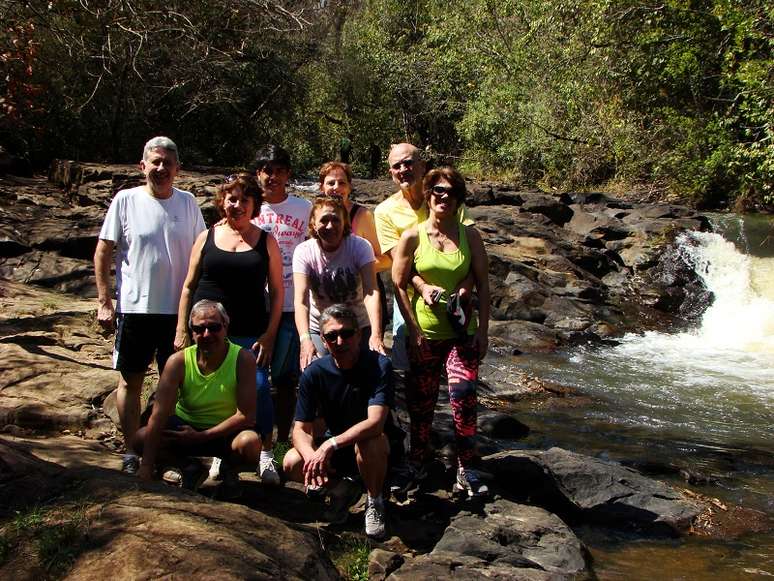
x: 213, y: 328
x: 442, y: 190
x: 333, y: 336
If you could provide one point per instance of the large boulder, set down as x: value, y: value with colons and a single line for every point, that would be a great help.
x: 505, y: 541
x: 130, y: 530
x: 55, y: 366
x: 597, y: 490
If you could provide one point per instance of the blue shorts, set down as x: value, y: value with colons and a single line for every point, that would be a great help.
x: 264, y: 411
x: 399, y: 353
x: 285, y: 369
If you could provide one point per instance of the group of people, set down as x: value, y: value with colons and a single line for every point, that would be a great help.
x: 274, y: 316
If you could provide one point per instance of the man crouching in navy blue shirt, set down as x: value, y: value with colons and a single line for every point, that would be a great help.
x: 352, y: 391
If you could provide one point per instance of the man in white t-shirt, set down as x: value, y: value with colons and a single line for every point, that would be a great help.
x: 286, y: 218
x: 152, y: 229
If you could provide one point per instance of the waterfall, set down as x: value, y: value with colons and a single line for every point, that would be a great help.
x: 742, y: 315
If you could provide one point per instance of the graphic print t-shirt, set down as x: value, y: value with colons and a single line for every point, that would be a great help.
x: 287, y: 222
x: 334, y: 277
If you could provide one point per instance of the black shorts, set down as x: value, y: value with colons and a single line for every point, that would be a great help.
x: 139, y: 337
x: 219, y: 447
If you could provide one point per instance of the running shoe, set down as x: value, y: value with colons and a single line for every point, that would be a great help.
x: 469, y: 483
x: 375, y: 520
x: 130, y: 464
x: 215, y: 469
x: 267, y: 470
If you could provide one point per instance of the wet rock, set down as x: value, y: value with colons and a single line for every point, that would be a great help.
x: 595, y: 490
x: 505, y: 541
x: 502, y: 426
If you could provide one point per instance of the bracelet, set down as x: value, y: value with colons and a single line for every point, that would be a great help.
x: 304, y: 336
x: 333, y: 442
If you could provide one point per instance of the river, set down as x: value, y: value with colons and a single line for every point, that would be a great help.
x: 700, y: 400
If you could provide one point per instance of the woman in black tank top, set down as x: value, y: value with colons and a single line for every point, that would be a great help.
x: 233, y: 263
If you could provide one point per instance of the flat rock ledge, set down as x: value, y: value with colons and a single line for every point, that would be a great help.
x: 130, y: 530
x: 505, y: 540
x: 595, y: 490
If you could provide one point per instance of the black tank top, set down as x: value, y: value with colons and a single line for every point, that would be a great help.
x: 238, y: 281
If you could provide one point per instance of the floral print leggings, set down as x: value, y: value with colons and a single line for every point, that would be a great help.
x: 422, y: 386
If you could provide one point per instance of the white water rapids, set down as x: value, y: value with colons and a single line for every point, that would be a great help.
x: 733, y: 348
x: 711, y: 384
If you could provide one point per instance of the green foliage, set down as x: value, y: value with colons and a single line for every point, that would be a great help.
x: 350, y: 555
x: 555, y: 93
x: 57, y: 533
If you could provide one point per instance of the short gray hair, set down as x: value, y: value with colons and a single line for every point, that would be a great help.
x: 341, y: 313
x: 160, y: 142
x: 208, y: 305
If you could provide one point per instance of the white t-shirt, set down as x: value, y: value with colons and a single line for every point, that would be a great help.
x: 153, y: 241
x: 287, y: 222
x: 334, y: 277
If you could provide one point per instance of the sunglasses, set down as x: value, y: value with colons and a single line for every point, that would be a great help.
x: 442, y: 190
x: 213, y: 328
x: 333, y: 336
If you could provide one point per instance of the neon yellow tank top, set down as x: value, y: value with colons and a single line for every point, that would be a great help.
x: 444, y: 269
x: 206, y: 400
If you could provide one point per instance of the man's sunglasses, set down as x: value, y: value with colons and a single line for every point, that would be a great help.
x: 213, y: 328
x: 333, y: 336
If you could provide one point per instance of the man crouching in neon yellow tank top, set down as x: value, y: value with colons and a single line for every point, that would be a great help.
x: 441, y: 331
x: 205, y: 404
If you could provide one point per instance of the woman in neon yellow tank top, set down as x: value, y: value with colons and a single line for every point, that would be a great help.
x: 442, y: 332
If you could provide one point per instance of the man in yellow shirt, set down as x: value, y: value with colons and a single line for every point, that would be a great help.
x: 403, y: 210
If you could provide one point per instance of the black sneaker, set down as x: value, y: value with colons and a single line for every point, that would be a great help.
x: 469, y: 483
x: 342, y: 496
x: 230, y: 487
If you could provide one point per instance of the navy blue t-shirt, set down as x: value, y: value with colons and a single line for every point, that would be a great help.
x: 342, y: 396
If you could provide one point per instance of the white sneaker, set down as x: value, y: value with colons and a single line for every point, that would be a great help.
x: 215, y: 469
x: 469, y: 483
x: 267, y: 470
x: 375, y: 521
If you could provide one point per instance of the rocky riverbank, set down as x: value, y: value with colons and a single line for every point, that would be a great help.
x: 565, y: 268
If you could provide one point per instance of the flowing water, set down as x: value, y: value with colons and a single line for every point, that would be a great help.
x: 700, y: 400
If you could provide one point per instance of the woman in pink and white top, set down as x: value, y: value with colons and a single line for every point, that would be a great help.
x: 334, y: 266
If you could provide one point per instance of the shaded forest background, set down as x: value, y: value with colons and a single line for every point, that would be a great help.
x: 675, y: 96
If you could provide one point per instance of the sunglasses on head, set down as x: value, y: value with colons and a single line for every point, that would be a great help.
x: 333, y: 336
x: 212, y: 328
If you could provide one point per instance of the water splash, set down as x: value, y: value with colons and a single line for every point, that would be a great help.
x: 741, y: 319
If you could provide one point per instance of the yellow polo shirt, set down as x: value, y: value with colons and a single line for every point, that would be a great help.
x: 393, y: 218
